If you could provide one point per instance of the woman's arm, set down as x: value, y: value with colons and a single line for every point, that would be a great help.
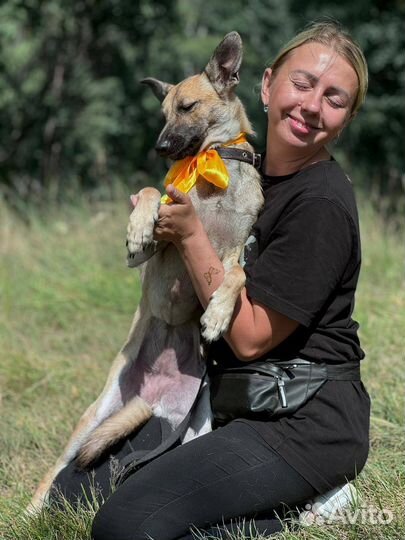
x: 255, y: 329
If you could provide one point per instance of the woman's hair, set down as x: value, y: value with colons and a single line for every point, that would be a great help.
x: 331, y: 34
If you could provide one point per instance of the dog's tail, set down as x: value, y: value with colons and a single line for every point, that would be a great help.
x: 135, y: 413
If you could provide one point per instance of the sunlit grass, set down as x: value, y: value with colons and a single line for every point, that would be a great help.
x: 66, y: 302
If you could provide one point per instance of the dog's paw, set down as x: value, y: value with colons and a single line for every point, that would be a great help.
x: 136, y: 259
x: 216, y: 318
x: 140, y: 231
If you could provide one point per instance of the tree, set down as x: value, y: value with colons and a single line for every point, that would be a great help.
x: 68, y: 89
x: 74, y: 113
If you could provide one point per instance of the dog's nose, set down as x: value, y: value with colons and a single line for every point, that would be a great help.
x: 162, y: 147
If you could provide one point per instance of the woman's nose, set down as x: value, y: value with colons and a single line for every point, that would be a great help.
x: 312, y: 102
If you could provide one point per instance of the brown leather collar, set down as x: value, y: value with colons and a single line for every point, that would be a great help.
x: 241, y: 155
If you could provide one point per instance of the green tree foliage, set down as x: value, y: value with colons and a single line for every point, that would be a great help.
x: 68, y: 89
x: 74, y: 114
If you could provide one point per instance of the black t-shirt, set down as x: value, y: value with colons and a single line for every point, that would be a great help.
x: 303, y: 260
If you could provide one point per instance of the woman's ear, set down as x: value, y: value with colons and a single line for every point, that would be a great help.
x: 266, y: 82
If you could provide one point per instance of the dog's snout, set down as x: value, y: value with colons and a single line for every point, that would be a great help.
x: 176, y: 144
x: 163, y: 147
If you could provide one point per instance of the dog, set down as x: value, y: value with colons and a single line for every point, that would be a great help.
x: 158, y: 370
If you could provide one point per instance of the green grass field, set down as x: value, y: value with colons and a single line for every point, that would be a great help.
x: 66, y: 301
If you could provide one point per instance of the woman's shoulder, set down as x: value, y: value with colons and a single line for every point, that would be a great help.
x: 325, y: 181
x: 325, y: 178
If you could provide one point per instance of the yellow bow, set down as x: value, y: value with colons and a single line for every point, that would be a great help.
x: 183, y: 174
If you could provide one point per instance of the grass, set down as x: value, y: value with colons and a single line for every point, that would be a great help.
x: 66, y: 301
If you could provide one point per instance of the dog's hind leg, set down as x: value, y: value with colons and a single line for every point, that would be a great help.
x: 108, y: 403
x: 118, y: 410
x: 216, y: 318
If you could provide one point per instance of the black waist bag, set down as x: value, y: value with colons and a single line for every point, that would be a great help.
x: 272, y: 388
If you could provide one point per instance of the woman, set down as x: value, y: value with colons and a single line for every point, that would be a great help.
x: 302, y: 271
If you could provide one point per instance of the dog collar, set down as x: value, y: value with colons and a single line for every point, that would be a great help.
x: 241, y: 155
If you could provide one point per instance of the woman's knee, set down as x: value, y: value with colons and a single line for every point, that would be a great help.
x: 77, y: 487
x: 67, y: 486
x: 98, y: 530
x: 109, y: 524
x: 139, y: 518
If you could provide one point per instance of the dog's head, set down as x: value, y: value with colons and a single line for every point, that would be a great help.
x: 203, y: 110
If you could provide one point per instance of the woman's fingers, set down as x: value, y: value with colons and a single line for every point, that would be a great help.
x: 176, y: 195
x: 177, y: 220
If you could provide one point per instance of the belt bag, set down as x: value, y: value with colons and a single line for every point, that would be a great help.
x: 272, y: 389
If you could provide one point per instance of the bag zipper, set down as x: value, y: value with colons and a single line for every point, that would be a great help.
x: 280, y: 386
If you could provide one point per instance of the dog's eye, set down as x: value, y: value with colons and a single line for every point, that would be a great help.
x: 187, y: 107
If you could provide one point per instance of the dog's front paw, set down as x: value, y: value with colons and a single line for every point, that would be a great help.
x: 142, y: 220
x: 140, y: 231
x: 216, y: 318
x: 136, y: 259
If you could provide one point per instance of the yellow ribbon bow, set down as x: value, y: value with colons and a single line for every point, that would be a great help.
x: 183, y: 174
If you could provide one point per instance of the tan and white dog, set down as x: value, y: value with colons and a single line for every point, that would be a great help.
x: 159, y: 368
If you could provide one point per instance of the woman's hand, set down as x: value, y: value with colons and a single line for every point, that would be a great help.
x: 178, y: 221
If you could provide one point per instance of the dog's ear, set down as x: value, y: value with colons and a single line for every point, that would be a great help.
x: 223, y: 67
x: 159, y: 88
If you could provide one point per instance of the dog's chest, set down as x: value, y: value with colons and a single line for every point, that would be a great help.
x: 227, y: 215
x: 170, y: 292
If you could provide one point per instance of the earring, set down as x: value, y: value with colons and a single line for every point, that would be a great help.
x: 266, y: 108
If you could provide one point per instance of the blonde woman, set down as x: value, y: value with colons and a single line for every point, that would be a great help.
x: 302, y: 265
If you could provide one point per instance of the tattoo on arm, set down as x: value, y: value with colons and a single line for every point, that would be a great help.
x: 208, y: 275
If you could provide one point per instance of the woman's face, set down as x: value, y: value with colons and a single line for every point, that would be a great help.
x: 310, y: 97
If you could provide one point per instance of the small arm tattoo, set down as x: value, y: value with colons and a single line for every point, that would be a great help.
x: 208, y: 275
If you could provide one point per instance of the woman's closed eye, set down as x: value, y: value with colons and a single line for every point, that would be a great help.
x: 301, y: 85
x: 334, y: 100
x: 335, y: 103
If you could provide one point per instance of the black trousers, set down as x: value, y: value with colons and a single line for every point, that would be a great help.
x: 212, y: 483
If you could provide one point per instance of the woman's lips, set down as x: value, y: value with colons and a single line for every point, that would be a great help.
x: 302, y: 128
